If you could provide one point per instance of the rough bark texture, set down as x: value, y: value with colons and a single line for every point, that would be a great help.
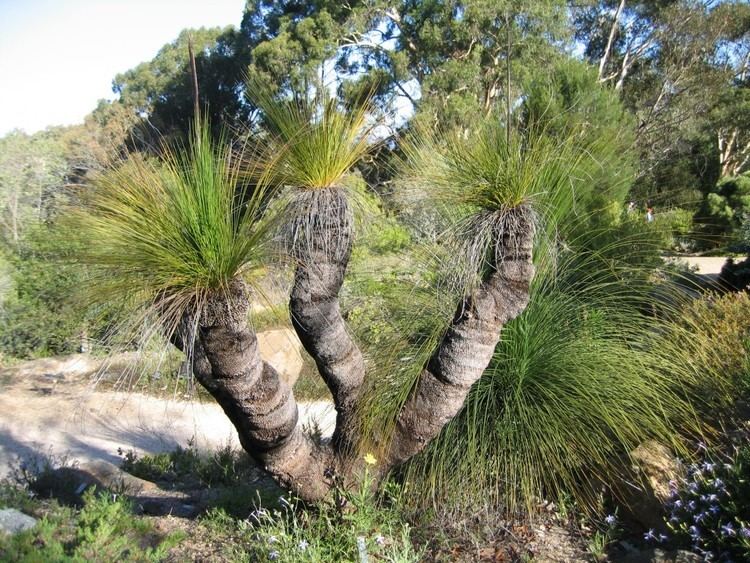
x: 468, y: 345
x: 226, y: 361
x: 314, y: 305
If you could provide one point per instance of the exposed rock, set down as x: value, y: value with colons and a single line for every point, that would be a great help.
x: 555, y: 544
x: 68, y: 484
x: 107, y: 475
x: 656, y: 467
x: 59, y: 367
x: 282, y: 349
x: 13, y: 521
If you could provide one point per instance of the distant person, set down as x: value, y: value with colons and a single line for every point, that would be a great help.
x: 649, y: 215
x: 631, y: 208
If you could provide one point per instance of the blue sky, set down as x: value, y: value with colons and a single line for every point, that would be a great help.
x: 57, y: 58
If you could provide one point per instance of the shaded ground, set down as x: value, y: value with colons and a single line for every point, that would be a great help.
x: 46, y: 412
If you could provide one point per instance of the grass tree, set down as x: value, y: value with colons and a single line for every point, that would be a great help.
x: 179, y: 238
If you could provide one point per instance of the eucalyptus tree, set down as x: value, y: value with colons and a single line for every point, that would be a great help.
x: 672, y: 62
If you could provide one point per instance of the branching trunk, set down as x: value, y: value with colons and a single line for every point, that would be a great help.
x: 467, y: 347
x: 323, y: 256
x: 226, y: 360
x: 261, y: 406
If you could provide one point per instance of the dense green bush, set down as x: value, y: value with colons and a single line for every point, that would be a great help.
x: 583, y: 377
x: 725, y: 210
x: 40, y: 315
x: 103, y: 530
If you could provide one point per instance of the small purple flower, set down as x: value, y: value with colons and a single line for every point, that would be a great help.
x: 663, y: 537
x: 692, y: 506
x: 700, y: 517
x: 708, y: 466
x: 380, y: 540
x: 714, y: 509
x: 719, y: 484
x: 728, y: 530
x: 303, y: 545
x: 693, y: 487
x: 272, y: 539
x: 713, y: 497
x: 650, y: 535
x: 745, y: 532
x: 694, y: 532
x: 677, y: 504
x: 611, y: 520
x: 273, y: 555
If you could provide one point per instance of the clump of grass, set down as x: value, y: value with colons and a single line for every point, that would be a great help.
x: 492, y: 168
x: 314, y: 143
x: 161, y: 235
x: 492, y: 184
x: 358, y: 526
x: 601, y: 361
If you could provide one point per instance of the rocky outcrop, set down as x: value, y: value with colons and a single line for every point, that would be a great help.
x: 656, y: 466
x: 282, y: 349
x: 14, y: 522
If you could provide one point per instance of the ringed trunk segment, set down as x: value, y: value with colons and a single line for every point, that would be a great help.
x: 260, y: 405
x: 469, y: 343
x: 322, y: 252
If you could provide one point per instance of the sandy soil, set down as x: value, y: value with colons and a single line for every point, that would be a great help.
x: 706, y: 265
x: 60, y: 414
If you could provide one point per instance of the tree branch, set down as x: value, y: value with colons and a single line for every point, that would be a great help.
x: 468, y: 345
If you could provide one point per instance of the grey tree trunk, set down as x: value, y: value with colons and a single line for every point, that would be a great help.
x: 226, y: 361
x: 322, y: 257
x: 261, y: 406
x: 468, y: 345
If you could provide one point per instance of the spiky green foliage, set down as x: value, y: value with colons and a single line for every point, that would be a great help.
x: 580, y: 379
x: 314, y: 142
x: 162, y: 234
x: 575, y: 385
x: 492, y: 169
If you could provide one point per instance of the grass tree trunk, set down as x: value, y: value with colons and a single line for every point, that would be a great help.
x: 226, y: 360
x: 322, y: 249
x: 468, y: 345
x: 261, y: 406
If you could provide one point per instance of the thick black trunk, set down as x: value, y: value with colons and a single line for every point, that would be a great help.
x: 260, y: 405
x: 323, y: 247
x: 468, y: 345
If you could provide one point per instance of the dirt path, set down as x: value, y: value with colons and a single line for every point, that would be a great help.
x: 706, y: 265
x: 59, y: 414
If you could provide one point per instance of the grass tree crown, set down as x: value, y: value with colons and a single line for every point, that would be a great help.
x: 313, y: 142
x: 493, y: 183
x: 163, y: 234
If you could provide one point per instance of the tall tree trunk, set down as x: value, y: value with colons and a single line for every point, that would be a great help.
x: 610, y: 41
x: 260, y: 405
x: 226, y: 361
x: 322, y: 254
x: 468, y: 345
